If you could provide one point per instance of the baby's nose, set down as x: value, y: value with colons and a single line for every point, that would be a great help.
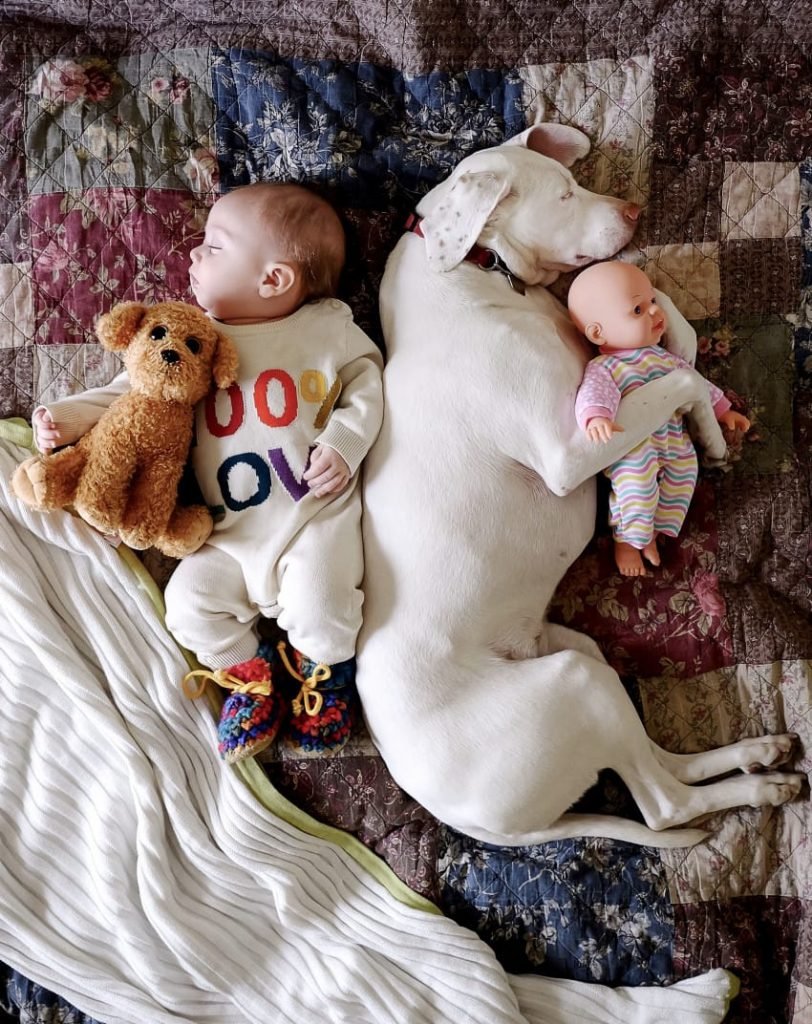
x: 195, y: 253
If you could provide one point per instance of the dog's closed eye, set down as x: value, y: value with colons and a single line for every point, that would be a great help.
x: 193, y: 344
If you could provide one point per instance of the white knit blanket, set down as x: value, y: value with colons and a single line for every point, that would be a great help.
x: 141, y: 879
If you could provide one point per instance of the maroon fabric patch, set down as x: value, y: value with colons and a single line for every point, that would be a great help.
x: 758, y: 110
x: 16, y: 379
x: 760, y: 276
x: 12, y: 155
x: 357, y: 794
x: 755, y: 938
x: 685, y: 203
x: 765, y: 564
x: 672, y: 622
x: 102, y: 246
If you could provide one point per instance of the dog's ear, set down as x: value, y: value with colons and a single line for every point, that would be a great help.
x: 116, y: 328
x: 454, y: 225
x: 558, y: 141
x: 225, y: 364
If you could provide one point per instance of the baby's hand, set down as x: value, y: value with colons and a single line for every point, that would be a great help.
x: 46, y: 432
x: 328, y: 473
x: 601, y: 429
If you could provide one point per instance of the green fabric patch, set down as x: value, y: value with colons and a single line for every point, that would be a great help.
x: 753, y: 359
x: 142, y: 121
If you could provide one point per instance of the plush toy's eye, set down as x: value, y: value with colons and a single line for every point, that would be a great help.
x: 193, y: 345
x: 158, y: 333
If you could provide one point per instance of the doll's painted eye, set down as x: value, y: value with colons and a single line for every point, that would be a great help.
x: 158, y: 333
x: 193, y: 345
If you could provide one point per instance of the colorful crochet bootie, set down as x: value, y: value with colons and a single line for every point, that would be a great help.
x: 325, y: 705
x: 252, y: 712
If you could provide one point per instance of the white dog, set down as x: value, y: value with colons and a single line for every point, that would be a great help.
x: 480, y: 493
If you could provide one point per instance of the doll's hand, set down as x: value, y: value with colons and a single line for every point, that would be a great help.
x: 46, y: 432
x: 601, y: 429
x: 328, y: 473
x: 733, y: 421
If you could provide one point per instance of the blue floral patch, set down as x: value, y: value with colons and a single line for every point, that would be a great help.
x: 590, y: 909
x: 369, y: 132
x: 34, y: 1004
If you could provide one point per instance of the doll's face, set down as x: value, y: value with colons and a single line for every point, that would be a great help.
x: 616, y: 308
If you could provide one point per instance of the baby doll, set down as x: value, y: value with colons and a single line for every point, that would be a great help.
x: 614, y: 305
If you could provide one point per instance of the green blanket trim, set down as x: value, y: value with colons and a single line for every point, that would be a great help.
x: 18, y: 432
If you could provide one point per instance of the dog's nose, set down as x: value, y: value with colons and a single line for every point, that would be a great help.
x: 631, y: 211
x: 170, y: 356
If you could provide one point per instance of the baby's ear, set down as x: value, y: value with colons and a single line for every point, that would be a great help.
x: 225, y: 364
x: 116, y: 328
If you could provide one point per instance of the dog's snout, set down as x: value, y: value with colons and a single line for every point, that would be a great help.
x: 170, y: 356
x: 631, y: 211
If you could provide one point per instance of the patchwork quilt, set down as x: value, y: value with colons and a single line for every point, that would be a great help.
x: 120, y: 124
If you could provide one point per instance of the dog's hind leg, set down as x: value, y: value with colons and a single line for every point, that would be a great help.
x: 665, y: 801
x: 752, y: 754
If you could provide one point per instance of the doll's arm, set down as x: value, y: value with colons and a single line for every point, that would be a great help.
x: 598, y: 396
x: 65, y: 421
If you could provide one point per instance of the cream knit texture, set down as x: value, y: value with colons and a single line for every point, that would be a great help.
x: 142, y: 880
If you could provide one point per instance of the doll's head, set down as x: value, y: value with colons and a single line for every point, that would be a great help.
x: 614, y: 305
x: 267, y: 249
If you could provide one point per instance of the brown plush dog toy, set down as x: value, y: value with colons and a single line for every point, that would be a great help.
x: 122, y: 476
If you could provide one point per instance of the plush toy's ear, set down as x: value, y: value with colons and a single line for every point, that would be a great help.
x: 116, y: 328
x: 453, y: 227
x: 225, y: 365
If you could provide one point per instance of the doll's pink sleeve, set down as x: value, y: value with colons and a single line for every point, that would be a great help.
x: 598, y: 395
x: 717, y: 396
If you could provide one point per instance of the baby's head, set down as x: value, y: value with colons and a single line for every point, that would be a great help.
x: 267, y: 249
x: 614, y: 305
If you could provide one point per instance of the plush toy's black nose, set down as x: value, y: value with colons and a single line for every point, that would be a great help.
x: 170, y: 356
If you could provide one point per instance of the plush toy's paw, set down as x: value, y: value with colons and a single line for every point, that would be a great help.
x: 136, y: 538
x: 188, y: 530
x: 30, y: 483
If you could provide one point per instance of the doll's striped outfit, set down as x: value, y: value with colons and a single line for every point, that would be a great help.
x: 653, y: 484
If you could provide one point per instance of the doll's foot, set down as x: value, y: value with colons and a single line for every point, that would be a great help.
x: 324, y: 707
x: 629, y: 560
x: 651, y: 553
x: 252, y: 712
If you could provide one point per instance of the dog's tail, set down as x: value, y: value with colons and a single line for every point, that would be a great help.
x: 602, y: 826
